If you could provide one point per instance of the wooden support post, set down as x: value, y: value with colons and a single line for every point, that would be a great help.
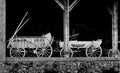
x: 66, y: 31
x: 2, y: 30
x: 114, y: 52
x: 115, y: 28
x: 66, y: 26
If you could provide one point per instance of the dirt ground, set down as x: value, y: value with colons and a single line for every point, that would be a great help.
x: 60, y: 67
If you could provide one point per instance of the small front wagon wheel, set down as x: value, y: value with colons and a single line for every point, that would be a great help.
x: 93, y: 51
x: 17, y: 52
x: 113, y: 53
x: 63, y: 53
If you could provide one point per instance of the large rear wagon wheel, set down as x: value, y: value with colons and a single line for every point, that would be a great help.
x: 17, y: 52
x: 44, y: 52
x: 92, y: 51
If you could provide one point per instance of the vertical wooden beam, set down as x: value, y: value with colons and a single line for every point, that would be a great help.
x: 2, y: 31
x: 114, y: 52
x: 115, y: 28
x: 67, y: 8
x: 66, y: 26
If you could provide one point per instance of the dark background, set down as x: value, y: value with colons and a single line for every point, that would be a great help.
x: 89, y: 18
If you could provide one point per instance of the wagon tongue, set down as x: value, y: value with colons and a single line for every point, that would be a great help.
x: 20, y: 25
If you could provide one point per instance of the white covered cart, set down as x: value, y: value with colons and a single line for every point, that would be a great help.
x: 41, y: 44
x: 93, y: 48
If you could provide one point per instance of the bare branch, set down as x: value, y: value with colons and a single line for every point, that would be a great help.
x: 73, y: 4
x: 60, y: 4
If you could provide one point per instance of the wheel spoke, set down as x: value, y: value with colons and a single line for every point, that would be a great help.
x: 46, y: 55
x: 39, y: 54
x: 47, y: 51
x: 89, y: 53
x: 97, y: 53
x: 93, y: 54
x: 39, y: 49
x: 98, y: 49
x: 22, y: 51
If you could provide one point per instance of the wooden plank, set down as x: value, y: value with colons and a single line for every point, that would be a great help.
x: 64, y: 59
x: 2, y: 30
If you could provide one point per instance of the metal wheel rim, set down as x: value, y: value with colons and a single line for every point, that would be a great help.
x: 43, y: 54
x: 110, y: 51
x: 96, y: 51
x: 17, y: 53
x: 63, y: 55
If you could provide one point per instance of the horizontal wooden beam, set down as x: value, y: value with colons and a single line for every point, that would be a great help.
x: 64, y: 59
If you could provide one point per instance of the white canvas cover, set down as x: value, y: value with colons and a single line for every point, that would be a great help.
x: 48, y: 37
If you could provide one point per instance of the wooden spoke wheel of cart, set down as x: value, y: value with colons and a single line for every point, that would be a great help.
x: 113, y: 53
x: 17, y: 52
x: 92, y: 51
x: 44, y: 52
x: 63, y: 53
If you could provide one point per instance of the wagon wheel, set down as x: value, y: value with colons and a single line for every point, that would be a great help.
x: 93, y: 51
x: 113, y: 53
x: 17, y: 52
x: 44, y: 52
x: 63, y: 53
